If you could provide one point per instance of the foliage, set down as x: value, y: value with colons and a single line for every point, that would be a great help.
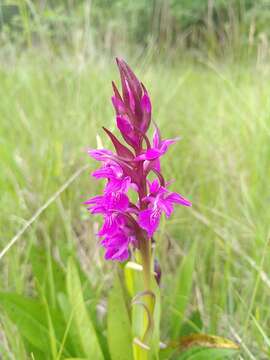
x: 50, y: 109
x: 213, y: 27
x: 67, y: 329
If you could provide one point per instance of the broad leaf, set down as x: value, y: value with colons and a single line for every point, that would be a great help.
x: 82, y: 322
x: 92, y: 296
x: 207, y: 354
x: 119, y: 326
x: 40, y: 325
x: 166, y: 353
x: 182, y: 291
x: 29, y: 317
x: 199, y: 347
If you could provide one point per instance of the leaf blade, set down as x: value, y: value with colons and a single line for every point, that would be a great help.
x: 119, y: 326
x: 82, y: 322
x: 28, y: 315
x: 200, y: 347
x: 182, y: 290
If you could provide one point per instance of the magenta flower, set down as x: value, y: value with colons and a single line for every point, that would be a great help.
x: 159, y: 200
x: 115, y: 175
x: 118, y: 244
x: 127, y: 223
x: 158, y: 149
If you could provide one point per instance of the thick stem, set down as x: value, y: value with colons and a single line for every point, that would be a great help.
x: 145, y: 255
x: 145, y: 249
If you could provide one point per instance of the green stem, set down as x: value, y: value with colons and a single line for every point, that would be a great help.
x: 141, y: 353
x: 142, y: 349
x: 146, y: 263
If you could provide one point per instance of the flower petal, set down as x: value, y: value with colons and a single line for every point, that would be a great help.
x: 149, y: 220
x: 131, y: 87
x: 156, y: 138
x: 116, y: 201
x: 167, y: 207
x: 119, y: 254
x: 118, y: 185
x: 94, y: 200
x: 154, y: 186
x: 146, y: 104
x: 118, y: 105
x: 149, y: 154
x: 127, y: 131
x: 178, y: 199
x: 146, y: 112
x: 111, y: 224
x: 110, y: 170
x: 165, y: 144
x: 100, y: 154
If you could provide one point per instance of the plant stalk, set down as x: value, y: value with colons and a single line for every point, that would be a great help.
x: 143, y: 352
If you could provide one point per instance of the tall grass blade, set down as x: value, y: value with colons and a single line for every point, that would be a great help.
x: 182, y: 291
x: 119, y: 326
x: 30, y: 318
x: 82, y: 322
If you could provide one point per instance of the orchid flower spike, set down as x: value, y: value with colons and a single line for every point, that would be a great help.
x: 127, y: 223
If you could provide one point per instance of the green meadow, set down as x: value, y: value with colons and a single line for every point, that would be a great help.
x: 52, y: 109
x: 51, y: 113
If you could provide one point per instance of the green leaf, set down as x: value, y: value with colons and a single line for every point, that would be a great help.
x: 16, y: 348
x: 206, y: 354
x: 119, y: 326
x: 30, y: 318
x: 182, y: 292
x: 204, y: 347
x: 48, y: 273
x: 82, y: 322
x: 70, y: 337
x: 166, y: 353
x: 193, y: 325
x: 199, y: 347
x: 40, y: 325
x: 91, y: 295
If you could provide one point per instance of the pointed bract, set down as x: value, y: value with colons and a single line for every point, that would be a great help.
x: 121, y: 149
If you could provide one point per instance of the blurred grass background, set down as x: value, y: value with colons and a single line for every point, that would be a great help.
x: 206, y: 66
